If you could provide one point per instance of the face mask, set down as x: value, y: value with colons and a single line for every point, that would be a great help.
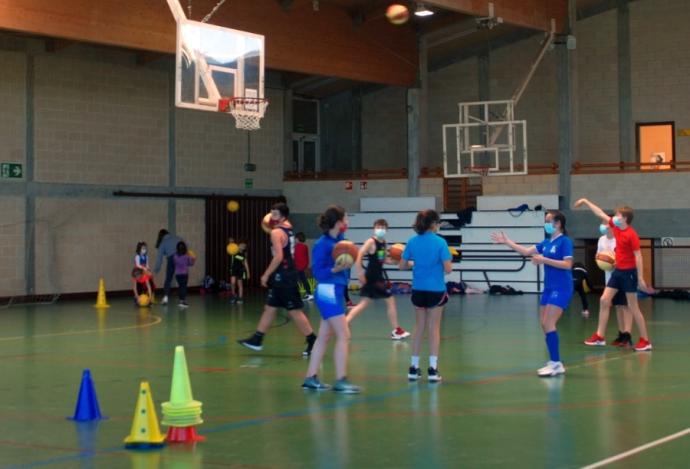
x: 549, y: 228
x: 603, y: 229
x: 379, y: 233
x: 618, y: 221
x: 343, y: 228
x: 143, y: 250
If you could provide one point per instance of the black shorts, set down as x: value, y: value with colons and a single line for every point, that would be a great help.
x: 619, y: 299
x: 375, y: 290
x: 624, y: 280
x: 284, y: 297
x: 239, y: 273
x: 429, y: 299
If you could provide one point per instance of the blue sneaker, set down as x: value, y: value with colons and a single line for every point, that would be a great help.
x: 313, y: 383
x: 343, y: 386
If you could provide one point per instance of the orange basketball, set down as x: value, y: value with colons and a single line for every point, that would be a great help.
x: 395, y: 252
x: 345, y: 253
x: 397, y: 14
x: 268, y: 223
x: 606, y: 260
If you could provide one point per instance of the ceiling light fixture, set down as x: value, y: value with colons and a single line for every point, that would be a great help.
x: 422, y: 10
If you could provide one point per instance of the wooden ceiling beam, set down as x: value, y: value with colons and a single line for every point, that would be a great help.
x: 323, y: 42
x: 533, y: 14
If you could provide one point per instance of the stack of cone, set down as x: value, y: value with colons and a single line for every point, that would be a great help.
x: 100, y: 299
x: 182, y: 412
x: 145, y: 432
x: 87, y: 408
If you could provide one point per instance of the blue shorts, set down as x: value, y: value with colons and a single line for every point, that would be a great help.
x: 624, y: 280
x: 330, y: 299
x: 560, y: 298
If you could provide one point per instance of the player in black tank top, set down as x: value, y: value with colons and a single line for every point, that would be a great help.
x: 239, y: 272
x: 281, y: 279
x: 374, y: 279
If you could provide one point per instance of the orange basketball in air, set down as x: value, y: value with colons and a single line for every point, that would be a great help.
x: 268, y: 223
x: 397, y: 14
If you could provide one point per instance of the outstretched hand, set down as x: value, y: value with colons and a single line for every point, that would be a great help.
x: 499, y: 237
x: 580, y: 202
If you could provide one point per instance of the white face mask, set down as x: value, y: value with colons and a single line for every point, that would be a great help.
x: 143, y: 250
x: 379, y: 233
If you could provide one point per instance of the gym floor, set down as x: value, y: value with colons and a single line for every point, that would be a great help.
x: 491, y: 409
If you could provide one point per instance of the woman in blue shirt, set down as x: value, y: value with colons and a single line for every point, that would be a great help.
x: 555, y: 253
x: 429, y: 257
x: 331, y: 281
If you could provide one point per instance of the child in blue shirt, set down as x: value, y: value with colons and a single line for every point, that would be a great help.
x: 331, y: 281
x: 429, y: 257
x: 555, y: 253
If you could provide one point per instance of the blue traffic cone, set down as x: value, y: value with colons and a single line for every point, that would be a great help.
x: 87, y: 402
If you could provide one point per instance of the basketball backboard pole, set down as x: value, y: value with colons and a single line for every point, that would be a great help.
x: 176, y: 10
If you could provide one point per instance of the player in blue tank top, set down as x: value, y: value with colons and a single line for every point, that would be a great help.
x: 555, y: 253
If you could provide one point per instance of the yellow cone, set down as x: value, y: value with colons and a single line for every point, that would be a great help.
x: 145, y: 430
x: 100, y: 299
x: 182, y: 410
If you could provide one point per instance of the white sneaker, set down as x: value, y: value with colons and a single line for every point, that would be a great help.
x: 164, y: 301
x: 183, y: 304
x: 551, y: 369
x: 308, y: 297
x: 399, y: 333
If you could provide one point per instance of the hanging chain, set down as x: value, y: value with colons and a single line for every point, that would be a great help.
x: 215, y: 8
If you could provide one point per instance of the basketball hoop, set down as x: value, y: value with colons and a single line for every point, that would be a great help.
x: 247, y: 112
x: 478, y: 171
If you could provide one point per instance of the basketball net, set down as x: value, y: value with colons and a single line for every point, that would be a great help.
x: 247, y: 112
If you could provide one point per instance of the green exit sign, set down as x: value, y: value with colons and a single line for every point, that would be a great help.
x: 11, y: 170
x: 248, y: 183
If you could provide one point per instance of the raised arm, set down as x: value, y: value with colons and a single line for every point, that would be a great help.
x: 594, y: 208
x: 499, y: 237
x: 364, y: 250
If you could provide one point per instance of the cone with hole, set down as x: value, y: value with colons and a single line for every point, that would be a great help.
x: 182, y: 413
x: 87, y: 408
x: 100, y: 299
x: 145, y: 432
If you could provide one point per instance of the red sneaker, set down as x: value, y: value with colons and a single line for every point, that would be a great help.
x: 350, y: 304
x: 643, y: 345
x: 596, y: 340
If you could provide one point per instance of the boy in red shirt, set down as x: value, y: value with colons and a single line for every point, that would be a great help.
x: 301, y: 264
x: 625, y: 275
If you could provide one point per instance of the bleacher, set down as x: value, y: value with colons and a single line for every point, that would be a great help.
x: 481, y: 262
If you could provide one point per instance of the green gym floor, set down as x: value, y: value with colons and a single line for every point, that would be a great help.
x: 491, y: 410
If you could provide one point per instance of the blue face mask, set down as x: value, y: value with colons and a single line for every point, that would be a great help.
x: 618, y: 221
x: 549, y: 228
x: 603, y: 229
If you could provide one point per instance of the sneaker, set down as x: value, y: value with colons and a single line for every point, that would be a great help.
x: 308, y: 297
x: 164, y: 301
x: 551, y: 369
x: 233, y: 300
x: 252, y: 343
x: 343, y: 386
x: 643, y: 345
x: 434, y: 375
x: 313, y: 383
x: 399, y: 333
x: 310, y: 345
x: 585, y: 313
x: 350, y: 304
x: 627, y: 340
x: 596, y: 340
x: 183, y: 304
x: 414, y: 373
x: 620, y: 340
x: 239, y: 301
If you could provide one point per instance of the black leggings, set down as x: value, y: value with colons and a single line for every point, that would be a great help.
x: 583, y: 296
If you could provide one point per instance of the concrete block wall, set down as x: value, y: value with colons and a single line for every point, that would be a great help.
x: 384, y: 129
x: 12, y: 106
x: 661, y: 65
x: 662, y: 190
x: 12, y: 246
x: 596, y: 62
x: 101, y: 123
x: 80, y: 240
x: 314, y: 196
